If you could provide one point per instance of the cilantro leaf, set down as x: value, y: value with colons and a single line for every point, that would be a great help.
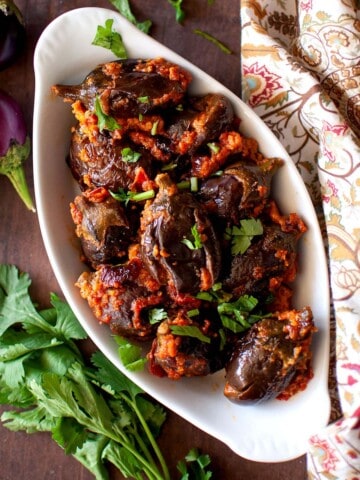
x: 129, y: 156
x: 190, y: 331
x: 66, y: 324
x: 130, y: 355
x: 124, y: 8
x: 179, y: 12
x: 92, y: 454
x: 15, y: 303
x: 197, y: 243
x: 105, y: 121
x: 236, y: 316
x: 157, y: 315
x: 69, y: 434
x: 194, y: 466
x: 107, y: 374
x: 241, y: 237
x: 108, y: 38
x: 32, y: 420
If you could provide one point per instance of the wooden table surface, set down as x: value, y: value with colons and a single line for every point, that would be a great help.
x: 37, y: 457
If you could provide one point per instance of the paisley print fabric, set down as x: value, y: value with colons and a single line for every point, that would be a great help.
x: 301, y: 74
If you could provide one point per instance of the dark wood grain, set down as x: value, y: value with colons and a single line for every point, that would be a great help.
x: 37, y: 457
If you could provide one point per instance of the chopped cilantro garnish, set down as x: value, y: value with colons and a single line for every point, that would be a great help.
x: 236, y: 316
x: 189, y: 331
x: 108, y: 38
x: 154, y: 127
x: 214, y: 147
x: 125, y: 196
x: 105, y: 121
x: 241, y: 237
x: 123, y: 7
x: 157, y: 315
x: 215, y: 294
x: 179, y: 12
x: 197, y: 243
x: 130, y: 156
x: 213, y: 40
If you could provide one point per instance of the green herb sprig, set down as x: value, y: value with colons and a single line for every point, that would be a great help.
x: 126, y: 196
x: 123, y: 7
x: 179, y: 12
x: 189, y: 331
x: 108, y: 38
x: 196, y: 243
x: 242, y: 236
x: 213, y: 40
x: 236, y: 316
x: 194, y: 467
x: 92, y: 411
x: 105, y: 121
x: 129, y: 156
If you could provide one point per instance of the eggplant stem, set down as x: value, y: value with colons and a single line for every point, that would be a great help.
x: 17, y: 178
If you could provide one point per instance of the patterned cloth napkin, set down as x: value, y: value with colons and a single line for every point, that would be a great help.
x: 301, y: 74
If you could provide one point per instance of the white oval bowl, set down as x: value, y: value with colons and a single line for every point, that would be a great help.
x: 274, y: 431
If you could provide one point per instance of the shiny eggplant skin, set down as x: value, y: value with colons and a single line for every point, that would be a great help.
x: 165, y: 224
x: 268, y: 357
x: 241, y: 190
x: 129, y: 87
x: 121, y: 296
x: 12, y: 34
x: 100, y: 164
x: 270, y: 256
x: 177, y: 356
x: 201, y: 121
x: 102, y: 227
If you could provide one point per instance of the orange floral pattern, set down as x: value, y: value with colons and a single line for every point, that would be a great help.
x: 301, y: 74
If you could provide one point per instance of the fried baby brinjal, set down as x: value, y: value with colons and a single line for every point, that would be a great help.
x: 273, y: 353
x: 101, y: 163
x: 121, y: 297
x: 185, y: 246
x: 127, y: 88
x: 202, y: 121
x: 179, y: 244
x: 176, y: 355
x: 102, y: 226
x: 240, y: 191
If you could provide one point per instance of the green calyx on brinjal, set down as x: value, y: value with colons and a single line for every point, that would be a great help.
x: 270, y: 356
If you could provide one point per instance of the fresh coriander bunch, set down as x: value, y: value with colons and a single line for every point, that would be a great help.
x: 92, y: 411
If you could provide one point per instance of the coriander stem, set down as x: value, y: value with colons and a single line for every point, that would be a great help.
x: 151, y: 438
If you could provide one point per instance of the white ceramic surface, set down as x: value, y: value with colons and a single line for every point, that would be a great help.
x: 271, y: 432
